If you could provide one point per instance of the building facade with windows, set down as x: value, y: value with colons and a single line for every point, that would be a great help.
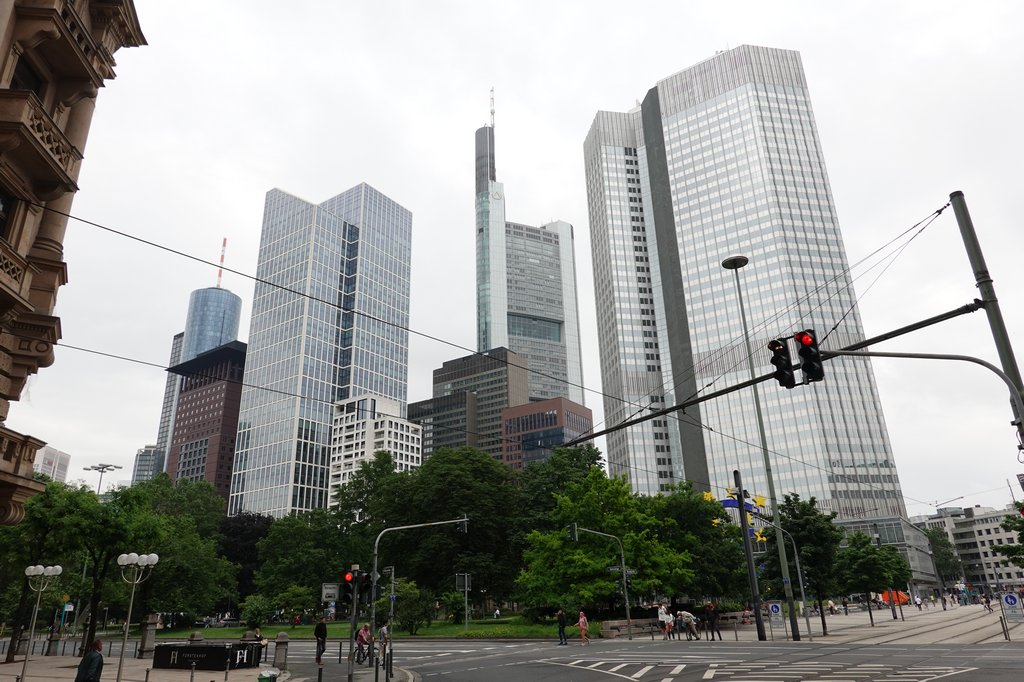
x: 54, y: 58
x: 202, y: 447
x: 329, y: 322
x: 723, y: 158
x: 496, y: 379
x: 364, y: 426
x: 53, y: 463
x: 144, y: 467
x: 526, y: 287
x: 531, y: 431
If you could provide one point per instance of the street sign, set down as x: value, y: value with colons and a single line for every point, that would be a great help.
x: 329, y: 592
x: 1013, y: 610
x: 392, y: 597
x: 614, y: 569
x: 69, y: 607
x: 1020, y: 479
x: 775, y: 612
x: 375, y: 576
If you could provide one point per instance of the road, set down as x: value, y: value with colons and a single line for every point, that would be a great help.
x: 681, y: 661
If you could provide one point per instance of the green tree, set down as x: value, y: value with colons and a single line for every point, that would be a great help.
x: 563, y: 573
x: 716, y: 547
x: 897, y: 568
x: 818, y: 539
x: 1015, y: 524
x: 414, y: 607
x: 947, y: 563
x: 257, y: 611
x: 861, y: 568
x: 296, y: 600
x: 541, y: 481
x: 238, y: 539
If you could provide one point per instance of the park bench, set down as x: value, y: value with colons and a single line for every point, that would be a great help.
x: 610, y: 629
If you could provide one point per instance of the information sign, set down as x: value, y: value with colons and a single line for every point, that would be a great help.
x: 775, y: 613
x: 329, y: 592
x: 1013, y: 609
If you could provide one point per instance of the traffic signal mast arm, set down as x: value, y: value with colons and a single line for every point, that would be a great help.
x: 574, y: 530
x: 825, y: 355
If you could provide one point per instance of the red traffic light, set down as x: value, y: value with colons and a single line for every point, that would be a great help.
x: 804, y: 338
x: 349, y: 577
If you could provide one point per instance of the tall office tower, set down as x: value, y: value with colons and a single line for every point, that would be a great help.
x: 144, y: 468
x: 526, y: 287
x: 202, y: 447
x: 469, y: 394
x: 212, y: 321
x: 329, y: 322
x: 53, y: 463
x: 364, y: 426
x: 723, y: 158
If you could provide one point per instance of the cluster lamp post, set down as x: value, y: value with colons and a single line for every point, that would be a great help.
x: 133, y: 570
x: 39, y: 578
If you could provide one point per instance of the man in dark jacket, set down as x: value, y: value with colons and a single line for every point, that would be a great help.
x: 91, y: 667
x: 562, y: 639
x: 320, y: 632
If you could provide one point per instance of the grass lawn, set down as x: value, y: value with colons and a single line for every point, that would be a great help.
x: 491, y: 628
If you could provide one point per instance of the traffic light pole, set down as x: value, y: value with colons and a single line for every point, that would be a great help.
x: 374, y: 576
x: 983, y: 280
x: 622, y: 570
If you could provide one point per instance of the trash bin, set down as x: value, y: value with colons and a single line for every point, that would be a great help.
x: 267, y: 676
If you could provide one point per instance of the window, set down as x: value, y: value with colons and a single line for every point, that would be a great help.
x: 27, y: 78
x: 7, y: 207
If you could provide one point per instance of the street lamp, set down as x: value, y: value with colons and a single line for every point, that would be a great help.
x: 39, y: 578
x: 734, y: 263
x: 133, y: 570
x: 102, y: 468
x: 892, y: 599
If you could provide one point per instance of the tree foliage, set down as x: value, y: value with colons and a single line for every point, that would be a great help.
x: 1014, y: 524
x: 860, y: 567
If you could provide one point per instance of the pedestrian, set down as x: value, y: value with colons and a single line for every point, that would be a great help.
x: 320, y: 633
x: 664, y: 620
x: 562, y: 639
x: 262, y: 641
x: 846, y: 607
x: 917, y: 601
x: 382, y: 642
x: 690, y: 623
x: 932, y: 599
x: 677, y: 625
x: 497, y: 614
x: 711, y: 616
x: 988, y: 603
x: 91, y: 667
x: 583, y: 625
x: 831, y: 608
x: 364, y: 640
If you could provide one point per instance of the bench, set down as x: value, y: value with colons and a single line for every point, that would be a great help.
x: 610, y: 629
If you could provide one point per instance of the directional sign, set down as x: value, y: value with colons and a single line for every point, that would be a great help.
x: 1013, y: 610
x: 329, y: 592
x: 614, y: 569
x: 630, y: 571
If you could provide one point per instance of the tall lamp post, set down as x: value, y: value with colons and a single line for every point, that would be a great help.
x: 734, y: 263
x: 133, y: 570
x: 39, y: 578
x: 102, y: 468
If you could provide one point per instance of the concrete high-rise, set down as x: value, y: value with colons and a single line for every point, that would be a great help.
x: 329, y: 322
x: 723, y: 158
x: 526, y: 287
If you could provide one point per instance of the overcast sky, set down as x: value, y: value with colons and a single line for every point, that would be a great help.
x: 232, y: 98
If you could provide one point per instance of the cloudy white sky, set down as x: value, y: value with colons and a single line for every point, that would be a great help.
x: 232, y: 98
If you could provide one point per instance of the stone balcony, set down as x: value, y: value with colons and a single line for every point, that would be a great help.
x: 17, y: 455
x: 33, y: 146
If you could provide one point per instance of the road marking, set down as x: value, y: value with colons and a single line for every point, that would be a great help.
x: 678, y: 669
x: 642, y: 672
x: 620, y: 665
x: 598, y: 664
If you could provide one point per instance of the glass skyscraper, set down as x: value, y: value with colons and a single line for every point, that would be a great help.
x: 723, y: 158
x: 329, y: 322
x: 526, y: 287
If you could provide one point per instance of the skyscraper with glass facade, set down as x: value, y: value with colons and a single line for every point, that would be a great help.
x: 723, y: 158
x: 329, y: 322
x: 526, y: 287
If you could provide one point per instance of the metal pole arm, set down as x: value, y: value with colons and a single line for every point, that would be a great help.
x: 622, y: 566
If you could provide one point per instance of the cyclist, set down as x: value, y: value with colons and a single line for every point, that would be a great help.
x: 363, y: 643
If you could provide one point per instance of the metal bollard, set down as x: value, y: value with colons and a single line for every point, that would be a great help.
x: 736, y: 631
x: 320, y: 674
x: 339, y: 651
x: 147, y: 675
x: 192, y: 675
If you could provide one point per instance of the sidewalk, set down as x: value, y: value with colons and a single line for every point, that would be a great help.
x: 64, y: 668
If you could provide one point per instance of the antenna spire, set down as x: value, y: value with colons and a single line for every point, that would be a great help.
x: 492, y: 106
x: 220, y: 270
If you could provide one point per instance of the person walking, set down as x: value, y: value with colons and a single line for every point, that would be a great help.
x: 711, y: 618
x: 664, y: 620
x: 382, y: 642
x: 917, y: 601
x: 846, y: 606
x: 91, y: 666
x: 320, y: 633
x: 690, y: 625
x: 583, y: 625
x: 562, y: 639
x: 831, y: 608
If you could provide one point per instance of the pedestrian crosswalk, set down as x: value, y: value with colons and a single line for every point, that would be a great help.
x: 826, y: 671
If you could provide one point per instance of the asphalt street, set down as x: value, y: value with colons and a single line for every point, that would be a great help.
x: 682, y: 661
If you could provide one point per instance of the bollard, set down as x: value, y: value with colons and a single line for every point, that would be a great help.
x: 339, y: 651
x: 320, y: 674
x: 736, y: 631
x: 1006, y: 630
x: 147, y: 675
x: 192, y: 675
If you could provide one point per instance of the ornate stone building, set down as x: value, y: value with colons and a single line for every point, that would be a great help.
x: 54, y: 57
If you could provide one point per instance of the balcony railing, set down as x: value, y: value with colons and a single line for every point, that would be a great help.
x: 33, y: 143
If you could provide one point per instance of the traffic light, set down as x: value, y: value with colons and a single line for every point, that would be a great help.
x: 783, y: 364
x: 347, y: 588
x: 572, y: 532
x: 810, y: 356
x: 463, y: 525
x: 366, y: 588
